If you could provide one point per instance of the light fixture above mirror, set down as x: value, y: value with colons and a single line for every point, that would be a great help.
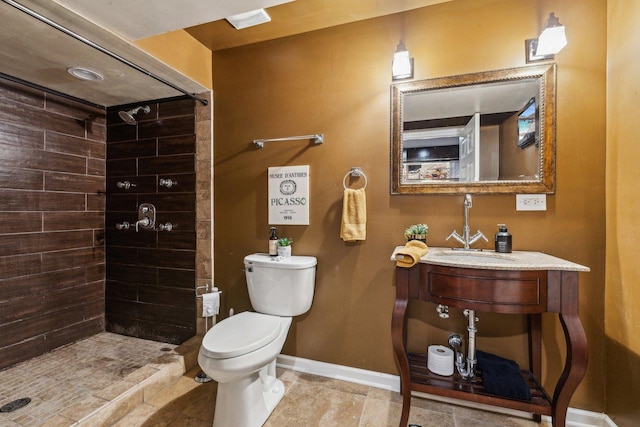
x: 402, y: 66
x: 551, y: 41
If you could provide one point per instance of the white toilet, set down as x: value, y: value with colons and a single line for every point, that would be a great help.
x: 240, y: 351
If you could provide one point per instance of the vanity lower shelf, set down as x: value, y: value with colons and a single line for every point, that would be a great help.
x: 455, y: 386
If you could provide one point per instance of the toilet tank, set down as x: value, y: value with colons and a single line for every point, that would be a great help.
x: 280, y: 286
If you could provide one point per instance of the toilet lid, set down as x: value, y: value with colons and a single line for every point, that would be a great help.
x: 240, y: 334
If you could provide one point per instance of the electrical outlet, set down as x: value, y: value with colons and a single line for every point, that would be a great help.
x: 531, y: 202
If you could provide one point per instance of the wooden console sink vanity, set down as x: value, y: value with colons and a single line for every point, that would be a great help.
x: 529, y: 283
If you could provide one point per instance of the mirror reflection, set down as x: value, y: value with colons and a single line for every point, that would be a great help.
x: 484, y: 132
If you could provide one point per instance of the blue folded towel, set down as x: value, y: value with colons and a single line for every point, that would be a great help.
x: 502, y: 377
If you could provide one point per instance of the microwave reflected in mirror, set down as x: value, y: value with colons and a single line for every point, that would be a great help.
x: 484, y: 132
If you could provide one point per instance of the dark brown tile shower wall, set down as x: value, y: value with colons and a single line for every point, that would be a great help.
x: 151, y: 274
x: 52, y: 182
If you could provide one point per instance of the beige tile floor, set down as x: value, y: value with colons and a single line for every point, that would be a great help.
x: 312, y: 401
x: 112, y: 380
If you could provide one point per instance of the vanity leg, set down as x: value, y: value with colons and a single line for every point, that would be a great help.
x: 574, y: 368
x: 575, y: 365
x: 399, y: 339
x: 535, y: 350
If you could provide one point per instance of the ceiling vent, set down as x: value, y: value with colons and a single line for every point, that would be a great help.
x: 249, y: 19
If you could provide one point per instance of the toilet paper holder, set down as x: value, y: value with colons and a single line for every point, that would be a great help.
x: 206, y: 290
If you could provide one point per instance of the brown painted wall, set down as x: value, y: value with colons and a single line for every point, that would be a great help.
x: 182, y: 52
x: 151, y: 274
x: 622, y: 318
x: 52, y: 180
x: 336, y: 82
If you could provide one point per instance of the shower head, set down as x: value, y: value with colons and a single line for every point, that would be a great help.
x: 127, y: 116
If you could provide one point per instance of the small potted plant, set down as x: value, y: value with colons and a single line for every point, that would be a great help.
x: 284, y: 247
x: 417, y: 232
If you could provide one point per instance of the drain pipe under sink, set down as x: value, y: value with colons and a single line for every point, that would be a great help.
x: 466, y: 370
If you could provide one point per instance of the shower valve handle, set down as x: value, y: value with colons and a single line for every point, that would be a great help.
x: 125, y: 184
x: 165, y: 227
x: 146, y: 216
x: 167, y: 182
x: 144, y: 223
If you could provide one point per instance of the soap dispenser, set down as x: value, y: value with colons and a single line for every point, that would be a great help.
x: 273, y: 242
x: 503, y: 240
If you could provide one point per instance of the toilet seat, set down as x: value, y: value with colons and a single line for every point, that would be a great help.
x: 240, y: 334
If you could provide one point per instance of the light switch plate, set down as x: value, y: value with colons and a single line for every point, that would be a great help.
x: 531, y: 202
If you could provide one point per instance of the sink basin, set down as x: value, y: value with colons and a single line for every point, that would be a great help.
x: 474, y: 257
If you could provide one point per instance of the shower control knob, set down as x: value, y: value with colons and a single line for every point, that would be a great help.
x: 144, y: 223
x: 165, y: 227
x: 123, y: 226
x: 167, y: 182
x: 125, y: 184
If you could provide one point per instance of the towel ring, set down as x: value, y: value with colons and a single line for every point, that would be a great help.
x: 354, y: 172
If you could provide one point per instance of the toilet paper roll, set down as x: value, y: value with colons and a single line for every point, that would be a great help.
x: 210, y: 304
x: 440, y: 360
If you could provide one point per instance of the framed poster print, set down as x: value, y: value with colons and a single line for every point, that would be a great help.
x: 289, y: 195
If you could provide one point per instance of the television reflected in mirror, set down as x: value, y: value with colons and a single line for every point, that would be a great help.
x: 528, y: 124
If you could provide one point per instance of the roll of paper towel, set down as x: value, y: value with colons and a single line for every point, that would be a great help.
x: 440, y: 360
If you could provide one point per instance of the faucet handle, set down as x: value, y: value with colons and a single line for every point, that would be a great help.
x: 456, y: 236
x: 479, y: 234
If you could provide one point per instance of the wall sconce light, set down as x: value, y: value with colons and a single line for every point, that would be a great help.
x: 402, y: 66
x: 551, y: 41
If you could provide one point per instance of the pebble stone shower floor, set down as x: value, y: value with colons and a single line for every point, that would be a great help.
x: 120, y: 381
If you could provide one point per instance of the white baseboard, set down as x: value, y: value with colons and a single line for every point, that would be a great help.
x: 575, y: 417
x: 340, y: 372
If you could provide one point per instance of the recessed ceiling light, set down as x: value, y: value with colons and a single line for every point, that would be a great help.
x: 249, y: 19
x: 84, y: 74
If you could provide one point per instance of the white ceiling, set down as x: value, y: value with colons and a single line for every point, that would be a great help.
x: 136, y: 19
x: 38, y: 53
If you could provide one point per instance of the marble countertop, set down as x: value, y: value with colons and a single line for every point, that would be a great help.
x: 490, y: 260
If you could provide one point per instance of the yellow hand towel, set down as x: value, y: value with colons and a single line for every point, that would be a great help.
x: 354, y: 215
x: 411, y: 253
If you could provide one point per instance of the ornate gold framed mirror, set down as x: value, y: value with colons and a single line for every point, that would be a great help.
x: 487, y: 132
